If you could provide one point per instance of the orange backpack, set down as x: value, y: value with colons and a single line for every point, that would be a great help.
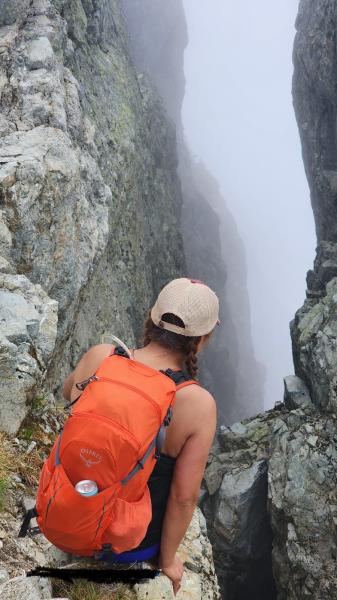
x: 113, y: 437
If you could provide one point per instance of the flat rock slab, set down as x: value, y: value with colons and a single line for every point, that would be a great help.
x: 26, y: 588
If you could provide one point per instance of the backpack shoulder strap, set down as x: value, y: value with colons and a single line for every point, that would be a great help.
x: 180, y: 378
x: 119, y: 351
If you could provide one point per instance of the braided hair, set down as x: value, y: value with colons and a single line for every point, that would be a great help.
x: 187, y: 346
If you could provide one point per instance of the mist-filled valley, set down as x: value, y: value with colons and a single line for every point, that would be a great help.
x: 231, y: 102
x: 238, y: 118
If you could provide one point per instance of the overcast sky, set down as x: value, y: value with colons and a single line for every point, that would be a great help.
x: 238, y: 118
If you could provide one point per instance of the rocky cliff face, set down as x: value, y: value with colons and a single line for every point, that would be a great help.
x: 270, y: 502
x: 315, y: 92
x: 212, y: 246
x: 90, y: 202
x: 90, y: 197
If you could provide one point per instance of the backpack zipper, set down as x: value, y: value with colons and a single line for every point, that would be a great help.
x: 134, y: 389
x: 103, y: 418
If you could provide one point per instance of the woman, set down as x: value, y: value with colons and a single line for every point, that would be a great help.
x: 181, y: 321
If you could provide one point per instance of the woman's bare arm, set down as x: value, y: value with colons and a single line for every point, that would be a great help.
x: 187, y: 476
x: 86, y: 367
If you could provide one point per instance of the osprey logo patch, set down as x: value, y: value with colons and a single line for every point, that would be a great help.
x: 90, y: 457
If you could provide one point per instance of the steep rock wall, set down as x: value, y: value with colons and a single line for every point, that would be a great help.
x: 90, y: 205
x: 315, y: 94
x: 89, y: 193
x: 212, y: 245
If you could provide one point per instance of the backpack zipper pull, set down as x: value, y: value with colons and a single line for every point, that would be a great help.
x: 83, y: 384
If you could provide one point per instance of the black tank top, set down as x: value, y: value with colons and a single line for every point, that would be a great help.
x: 159, y: 485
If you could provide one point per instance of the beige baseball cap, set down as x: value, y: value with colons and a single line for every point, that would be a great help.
x: 190, y: 300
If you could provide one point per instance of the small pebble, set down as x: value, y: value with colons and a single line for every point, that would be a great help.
x: 4, y: 576
x: 31, y: 447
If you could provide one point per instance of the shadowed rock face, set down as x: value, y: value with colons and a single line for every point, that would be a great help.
x: 235, y: 506
x: 212, y: 245
x: 270, y: 503
x: 89, y: 192
x: 315, y: 95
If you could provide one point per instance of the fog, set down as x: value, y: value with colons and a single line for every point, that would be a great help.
x: 238, y: 118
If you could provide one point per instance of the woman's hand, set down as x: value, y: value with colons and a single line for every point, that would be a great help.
x: 174, y: 571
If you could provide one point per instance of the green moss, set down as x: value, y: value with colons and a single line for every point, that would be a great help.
x: 4, y: 484
x: 29, y: 432
x: 39, y: 402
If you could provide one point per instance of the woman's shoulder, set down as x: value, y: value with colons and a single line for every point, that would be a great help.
x: 93, y: 357
x: 197, y: 398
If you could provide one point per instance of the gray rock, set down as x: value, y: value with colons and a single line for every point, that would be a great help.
x: 315, y: 332
x: 314, y: 92
x: 26, y: 588
x: 88, y: 168
x: 12, y: 11
x: 296, y: 394
x: 199, y: 580
x: 236, y: 508
x: 4, y: 576
x: 238, y: 428
x: 40, y: 53
x: 302, y: 501
x: 28, y: 328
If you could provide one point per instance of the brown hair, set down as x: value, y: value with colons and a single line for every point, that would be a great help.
x: 187, y: 346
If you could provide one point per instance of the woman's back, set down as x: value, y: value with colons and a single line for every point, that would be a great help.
x: 190, y: 402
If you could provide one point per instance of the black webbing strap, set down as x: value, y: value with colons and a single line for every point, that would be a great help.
x: 30, y: 514
x: 71, y: 403
x: 177, y: 377
x: 120, y: 352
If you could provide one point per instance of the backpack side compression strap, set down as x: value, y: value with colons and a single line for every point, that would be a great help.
x: 157, y: 443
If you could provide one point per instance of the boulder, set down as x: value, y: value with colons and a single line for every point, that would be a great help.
x: 235, y: 506
x: 296, y: 394
x: 28, y: 328
x: 26, y: 588
x: 302, y: 505
x: 199, y: 580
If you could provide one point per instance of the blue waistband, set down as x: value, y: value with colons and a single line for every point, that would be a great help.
x: 130, y: 556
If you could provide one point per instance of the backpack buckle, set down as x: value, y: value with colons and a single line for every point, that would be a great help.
x: 81, y: 385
